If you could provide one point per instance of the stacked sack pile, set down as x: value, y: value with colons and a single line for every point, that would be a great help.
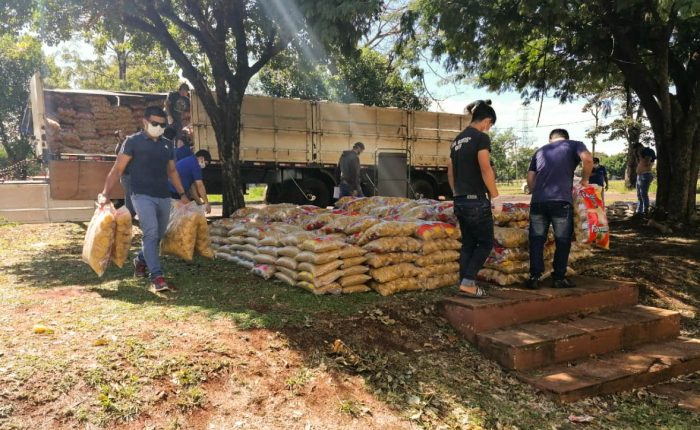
x: 83, y: 123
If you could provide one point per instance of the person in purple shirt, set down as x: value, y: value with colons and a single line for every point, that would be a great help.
x: 551, y: 177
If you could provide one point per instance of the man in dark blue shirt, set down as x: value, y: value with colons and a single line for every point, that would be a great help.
x: 551, y: 177
x: 190, y: 171
x: 599, y: 174
x: 149, y: 157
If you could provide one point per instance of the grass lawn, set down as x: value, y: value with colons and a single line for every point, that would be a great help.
x: 255, y: 194
x: 229, y: 350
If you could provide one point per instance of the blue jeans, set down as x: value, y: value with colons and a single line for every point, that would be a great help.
x: 561, y: 216
x: 476, y: 223
x: 644, y: 181
x: 154, y: 213
x: 126, y: 185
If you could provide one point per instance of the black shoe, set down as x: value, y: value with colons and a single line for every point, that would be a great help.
x: 532, y: 284
x: 563, y: 283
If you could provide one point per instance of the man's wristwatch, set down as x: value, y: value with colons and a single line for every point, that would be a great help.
x: 181, y: 194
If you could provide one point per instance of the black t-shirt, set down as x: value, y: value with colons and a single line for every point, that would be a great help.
x: 465, y: 162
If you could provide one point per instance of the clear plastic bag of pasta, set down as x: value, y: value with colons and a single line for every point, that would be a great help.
x: 99, y: 237
x: 203, y: 243
x: 122, y: 236
x: 181, y: 235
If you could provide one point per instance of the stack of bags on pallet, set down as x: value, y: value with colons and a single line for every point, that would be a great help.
x: 83, y: 123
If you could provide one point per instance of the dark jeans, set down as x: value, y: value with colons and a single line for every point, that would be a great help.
x: 347, y: 189
x: 644, y: 181
x: 561, y: 216
x: 476, y: 223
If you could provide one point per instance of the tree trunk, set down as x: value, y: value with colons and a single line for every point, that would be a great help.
x: 229, y: 141
x: 121, y: 60
x: 631, y: 168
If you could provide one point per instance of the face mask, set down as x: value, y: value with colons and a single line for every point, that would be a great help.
x: 202, y: 164
x: 154, y: 131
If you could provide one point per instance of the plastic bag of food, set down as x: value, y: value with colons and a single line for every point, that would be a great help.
x: 512, y: 212
x: 203, y: 243
x: 387, y: 229
x: 439, y: 269
x: 321, y: 269
x: 356, y: 289
x: 312, y: 257
x: 342, y: 202
x: 320, y: 245
x: 393, y: 244
x: 439, y: 257
x: 284, y: 278
x: 245, y: 213
x: 381, y: 260
x: 288, y: 251
x: 291, y: 274
x: 389, y: 288
x: 430, y: 246
x: 333, y: 288
x: 591, y: 220
x: 246, y: 255
x: 510, y: 237
x: 269, y: 250
x: 361, y: 224
x: 353, y: 261
x: 418, y: 212
x: 315, y: 221
x: 501, y: 278
x: 355, y: 270
x: 339, y: 224
x: 250, y: 248
x: 349, y: 281
x: 264, y: 259
x: 99, y: 237
x: 181, y: 235
x: 296, y: 238
x: 320, y: 281
x: 444, y: 212
x: 509, y: 267
x: 350, y: 251
x: 122, y: 236
x: 235, y: 240
x: 499, y: 253
x: 390, y: 273
x: 263, y: 270
x: 428, y: 230
x: 286, y: 262
x: 272, y: 239
x: 246, y: 264
x: 439, y: 281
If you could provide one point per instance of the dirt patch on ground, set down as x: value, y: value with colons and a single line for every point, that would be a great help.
x: 120, y: 357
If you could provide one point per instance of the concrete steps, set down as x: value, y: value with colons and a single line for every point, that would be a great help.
x: 573, y: 343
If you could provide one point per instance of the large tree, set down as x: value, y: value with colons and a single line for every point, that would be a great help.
x: 561, y: 47
x: 366, y: 77
x: 21, y: 57
x: 238, y: 38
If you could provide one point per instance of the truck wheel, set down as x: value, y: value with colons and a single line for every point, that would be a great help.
x: 272, y: 194
x: 316, y: 187
x: 422, y: 189
x: 319, y: 189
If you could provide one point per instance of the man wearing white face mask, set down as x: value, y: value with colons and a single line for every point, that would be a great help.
x: 190, y: 171
x: 150, y: 158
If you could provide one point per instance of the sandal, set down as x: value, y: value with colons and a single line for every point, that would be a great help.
x: 480, y: 293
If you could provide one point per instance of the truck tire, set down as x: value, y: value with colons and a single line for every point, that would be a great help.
x: 272, y: 194
x: 319, y: 189
x: 314, y: 186
x: 422, y: 189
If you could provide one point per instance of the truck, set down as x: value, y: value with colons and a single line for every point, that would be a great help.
x: 290, y: 145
